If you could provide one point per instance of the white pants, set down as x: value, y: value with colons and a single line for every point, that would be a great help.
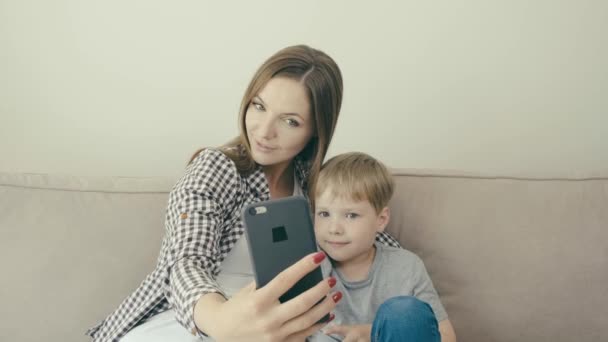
x: 160, y: 328
x: 163, y: 327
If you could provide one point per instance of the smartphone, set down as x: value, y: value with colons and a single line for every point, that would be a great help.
x: 280, y: 233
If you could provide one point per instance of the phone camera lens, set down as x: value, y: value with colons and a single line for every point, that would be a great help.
x: 252, y: 211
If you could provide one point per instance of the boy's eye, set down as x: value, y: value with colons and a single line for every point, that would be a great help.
x: 323, y: 214
x: 352, y: 215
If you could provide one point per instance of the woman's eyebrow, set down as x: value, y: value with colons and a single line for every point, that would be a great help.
x: 259, y: 98
x: 294, y: 114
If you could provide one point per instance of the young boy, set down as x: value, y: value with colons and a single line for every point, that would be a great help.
x: 388, y: 295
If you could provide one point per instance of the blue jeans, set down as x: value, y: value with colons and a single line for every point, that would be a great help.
x: 405, y: 319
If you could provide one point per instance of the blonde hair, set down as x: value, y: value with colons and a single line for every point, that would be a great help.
x: 321, y: 76
x: 357, y: 176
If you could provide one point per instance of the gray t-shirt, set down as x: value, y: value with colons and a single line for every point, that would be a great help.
x: 394, y: 272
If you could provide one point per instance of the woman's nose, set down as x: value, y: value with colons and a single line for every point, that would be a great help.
x: 267, y: 128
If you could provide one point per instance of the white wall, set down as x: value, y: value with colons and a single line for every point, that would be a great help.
x: 132, y: 88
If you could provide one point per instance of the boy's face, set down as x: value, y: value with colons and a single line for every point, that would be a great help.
x: 346, y: 229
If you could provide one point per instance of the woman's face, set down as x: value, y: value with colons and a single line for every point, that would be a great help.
x: 278, y: 121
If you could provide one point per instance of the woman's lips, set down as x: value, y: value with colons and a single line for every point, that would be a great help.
x: 264, y: 148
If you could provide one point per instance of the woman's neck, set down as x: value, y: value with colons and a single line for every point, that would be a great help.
x: 280, y: 179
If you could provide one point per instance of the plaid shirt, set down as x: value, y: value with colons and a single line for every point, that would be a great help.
x: 202, y: 225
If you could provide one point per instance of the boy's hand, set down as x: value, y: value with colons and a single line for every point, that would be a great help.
x: 351, y: 333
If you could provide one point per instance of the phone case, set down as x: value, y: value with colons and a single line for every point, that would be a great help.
x: 279, y: 233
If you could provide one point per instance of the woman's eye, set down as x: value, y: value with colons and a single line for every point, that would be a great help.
x: 292, y: 123
x: 258, y: 106
x: 352, y: 215
x: 323, y: 214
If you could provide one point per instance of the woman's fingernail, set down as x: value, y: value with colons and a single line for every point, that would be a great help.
x: 337, y: 296
x: 331, y: 281
x: 318, y: 257
x: 331, y: 317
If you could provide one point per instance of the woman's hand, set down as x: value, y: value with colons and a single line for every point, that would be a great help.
x: 351, y: 333
x: 257, y: 315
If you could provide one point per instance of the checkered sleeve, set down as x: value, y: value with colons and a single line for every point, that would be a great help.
x: 385, y: 239
x: 196, y: 210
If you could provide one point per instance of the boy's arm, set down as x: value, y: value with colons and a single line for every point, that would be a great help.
x: 359, y: 333
x: 446, y: 330
x: 424, y: 290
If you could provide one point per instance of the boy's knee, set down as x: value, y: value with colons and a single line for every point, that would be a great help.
x: 404, y: 305
x: 405, y: 318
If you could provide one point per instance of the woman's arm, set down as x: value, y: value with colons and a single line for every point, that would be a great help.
x: 387, y: 240
x: 257, y: 315
x: 195, y: 213
x: 198, y: 207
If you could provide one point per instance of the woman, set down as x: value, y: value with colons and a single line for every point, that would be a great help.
x: 287, y: 119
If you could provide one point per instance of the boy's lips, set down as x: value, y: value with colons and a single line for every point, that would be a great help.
x: 336, y: 243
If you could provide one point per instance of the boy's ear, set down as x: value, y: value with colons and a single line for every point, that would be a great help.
x: 383, y: 218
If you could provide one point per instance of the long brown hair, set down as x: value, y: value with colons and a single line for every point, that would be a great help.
x: 320, y: 74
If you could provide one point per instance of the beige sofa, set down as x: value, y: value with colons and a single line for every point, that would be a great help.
x: 514, y: 260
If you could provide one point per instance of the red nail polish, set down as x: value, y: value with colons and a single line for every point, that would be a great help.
x: 331, y: 282
x: 318, y: 257
x: 331, y: 317
x: 337, y: 296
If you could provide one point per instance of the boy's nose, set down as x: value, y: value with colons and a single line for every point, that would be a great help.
x: 336, y: 228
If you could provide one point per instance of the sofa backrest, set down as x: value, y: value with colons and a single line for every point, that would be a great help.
x: 513, y: 259
x: 71, y: 248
